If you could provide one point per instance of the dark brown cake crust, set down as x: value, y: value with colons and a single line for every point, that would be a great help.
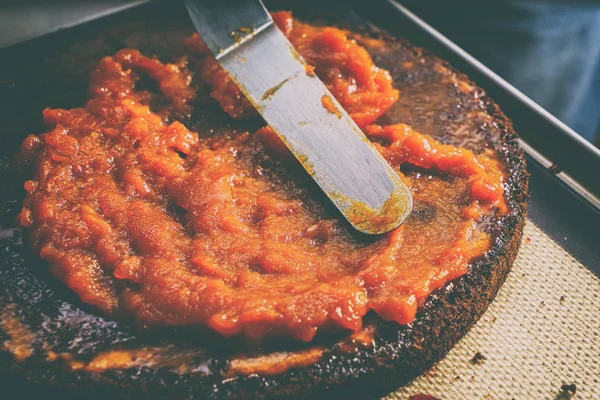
x: 54, y: 341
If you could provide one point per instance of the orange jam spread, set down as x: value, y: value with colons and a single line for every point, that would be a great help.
x: 143, y: 217
x: 328, y: 104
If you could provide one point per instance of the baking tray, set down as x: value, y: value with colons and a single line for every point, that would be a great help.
x: 46, y: 17
x: 561, y: 234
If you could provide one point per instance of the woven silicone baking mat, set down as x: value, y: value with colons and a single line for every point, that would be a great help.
x: 541, y: 332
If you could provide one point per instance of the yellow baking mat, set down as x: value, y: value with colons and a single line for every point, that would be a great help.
x: 541, y: 332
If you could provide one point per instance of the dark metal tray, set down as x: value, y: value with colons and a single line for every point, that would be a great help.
x: 564, y: 186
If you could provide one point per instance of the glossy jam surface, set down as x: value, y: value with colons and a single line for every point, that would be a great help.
x: 142, y: 217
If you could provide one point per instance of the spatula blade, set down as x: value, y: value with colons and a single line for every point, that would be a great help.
x: 330, y: 146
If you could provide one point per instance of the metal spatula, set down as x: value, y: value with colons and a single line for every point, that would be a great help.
x: 261, y: 61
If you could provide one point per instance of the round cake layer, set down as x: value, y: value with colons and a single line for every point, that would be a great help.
x: 53, y: 339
